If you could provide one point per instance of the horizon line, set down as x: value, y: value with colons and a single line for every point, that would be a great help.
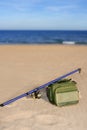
x: 43, y: 29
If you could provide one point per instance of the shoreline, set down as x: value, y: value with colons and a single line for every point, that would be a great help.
x: 42, y: 44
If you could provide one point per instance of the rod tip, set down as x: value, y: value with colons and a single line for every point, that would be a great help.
x: 79, y: 69
x: 1, y: 105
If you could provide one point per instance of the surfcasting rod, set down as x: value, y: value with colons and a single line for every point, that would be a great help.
x: 40, y: 87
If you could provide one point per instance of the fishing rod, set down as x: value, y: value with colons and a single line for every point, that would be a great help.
x: 40, y: 87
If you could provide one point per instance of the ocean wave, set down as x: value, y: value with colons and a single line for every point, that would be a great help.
x: 69, y: 42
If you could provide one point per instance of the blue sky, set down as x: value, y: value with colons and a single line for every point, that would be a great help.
x: 43, y: 14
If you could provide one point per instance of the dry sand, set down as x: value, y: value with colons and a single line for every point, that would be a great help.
x: 25, y: 67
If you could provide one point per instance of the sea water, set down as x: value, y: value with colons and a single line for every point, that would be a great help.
x: 43, y: 37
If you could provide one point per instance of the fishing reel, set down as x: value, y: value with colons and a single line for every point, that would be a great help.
x: 36, y: 95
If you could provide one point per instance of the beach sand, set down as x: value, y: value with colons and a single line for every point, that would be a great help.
x: 24, y: 67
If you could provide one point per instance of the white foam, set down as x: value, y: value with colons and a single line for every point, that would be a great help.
x: 69, y: 42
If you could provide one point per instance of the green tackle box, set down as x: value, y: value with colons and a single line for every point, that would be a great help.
x: 63, y: 93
